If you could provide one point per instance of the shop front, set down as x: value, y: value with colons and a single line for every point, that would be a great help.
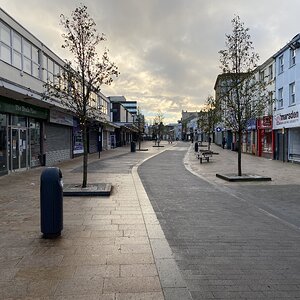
x: 286, y: 123
x: 249, y: 138
x: 265, y: 137
x: 20, y: 135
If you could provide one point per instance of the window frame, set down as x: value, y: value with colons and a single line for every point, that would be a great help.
x: 5, y: 44
x: 30, y: 63
x: 292, y: 94
x: 280, y: 64
x: 292, y: 57
x: 271, y: 75
x: 280, y: 98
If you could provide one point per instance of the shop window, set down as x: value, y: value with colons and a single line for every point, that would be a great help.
x: 19, y: 121
x: 267, y: 141
x: 35, y: 143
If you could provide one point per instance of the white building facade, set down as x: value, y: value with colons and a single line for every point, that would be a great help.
x: 286, y: 118
x: 35, y: 131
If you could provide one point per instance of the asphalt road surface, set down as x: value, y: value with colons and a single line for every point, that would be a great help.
x: 228, y: 242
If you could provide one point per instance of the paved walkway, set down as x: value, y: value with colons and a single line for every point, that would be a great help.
x: 111, y: 247
x: 104, y: 251
x: 226, y: 162
x: 230, y: 240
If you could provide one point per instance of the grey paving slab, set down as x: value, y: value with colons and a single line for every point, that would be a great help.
x: 104, y: 251
x: 228, y: 238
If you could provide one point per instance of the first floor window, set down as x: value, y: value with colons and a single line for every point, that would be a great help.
x: 292, y: 94
x: 5, y: 53
x: 17, y: 60
x: 280, y: 98
x: 280, y: 66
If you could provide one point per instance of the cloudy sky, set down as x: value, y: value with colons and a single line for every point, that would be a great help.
x: 166, y: 50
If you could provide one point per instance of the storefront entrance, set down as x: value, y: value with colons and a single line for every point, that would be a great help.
x: 18, y: 149
x: 20, y: 135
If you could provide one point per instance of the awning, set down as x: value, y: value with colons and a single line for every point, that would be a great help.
x: 110, y: 126
x: 127, y: 126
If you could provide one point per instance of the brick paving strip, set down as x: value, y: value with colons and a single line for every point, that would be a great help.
x: 230, y: 240
x: 110, y: 248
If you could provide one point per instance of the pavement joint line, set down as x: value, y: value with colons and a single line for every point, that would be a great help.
x: 162, y: 278
x: 188, y: 167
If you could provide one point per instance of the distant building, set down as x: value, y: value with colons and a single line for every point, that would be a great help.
x: 131, y: 106
x: 189, y: 125
x: 124, y: 119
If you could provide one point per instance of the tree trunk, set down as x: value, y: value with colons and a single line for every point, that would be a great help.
x: 239, y: 144
x: 85, y: 156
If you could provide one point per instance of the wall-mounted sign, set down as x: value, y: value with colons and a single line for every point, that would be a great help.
x: 287, y: 118
x: 267, y: 121
x: 21, y: 108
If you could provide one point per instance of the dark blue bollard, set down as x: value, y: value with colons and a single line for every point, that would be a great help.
x: 133, y: 146
x: 51, y: 201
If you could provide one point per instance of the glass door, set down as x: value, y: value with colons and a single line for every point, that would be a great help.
x: 23, y: 148
x: 18, y: 151
x: 15, y: 148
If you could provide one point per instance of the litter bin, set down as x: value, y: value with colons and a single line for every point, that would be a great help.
x: 51, y: 202
x: 196, y: 146
x: 133, y: 146
x: 232, y: 146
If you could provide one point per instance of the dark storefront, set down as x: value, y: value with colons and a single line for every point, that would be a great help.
x: 20, y: 135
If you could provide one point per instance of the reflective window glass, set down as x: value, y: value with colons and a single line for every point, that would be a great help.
x: 35, y: 54
x: 5, y: 53
x: 45, y: 75
x: 27, y: 65
x: 50, y: 77
x: 2, y: 120
x: 3, y: 140
x: 17, y: 42
x: 56, y: 69
x: 17, y: 60
x: 5, y: 34
x: 18, y: 121
x: 35, y: 70
x: 26, y: 49
x: 50, y: 65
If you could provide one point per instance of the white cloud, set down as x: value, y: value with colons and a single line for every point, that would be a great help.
x: 166, y: 50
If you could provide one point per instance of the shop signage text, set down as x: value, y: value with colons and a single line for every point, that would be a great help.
x: 18, y: 108
x: 287, y: 118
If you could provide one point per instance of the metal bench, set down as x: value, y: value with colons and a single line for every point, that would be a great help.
x: 205, y: 155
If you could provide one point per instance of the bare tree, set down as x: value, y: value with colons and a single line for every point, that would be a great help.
x: 208, y: 117
x: 140, y: 123
x: 78, y: 83
x: 159, y: 125
x: 244, y: 97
